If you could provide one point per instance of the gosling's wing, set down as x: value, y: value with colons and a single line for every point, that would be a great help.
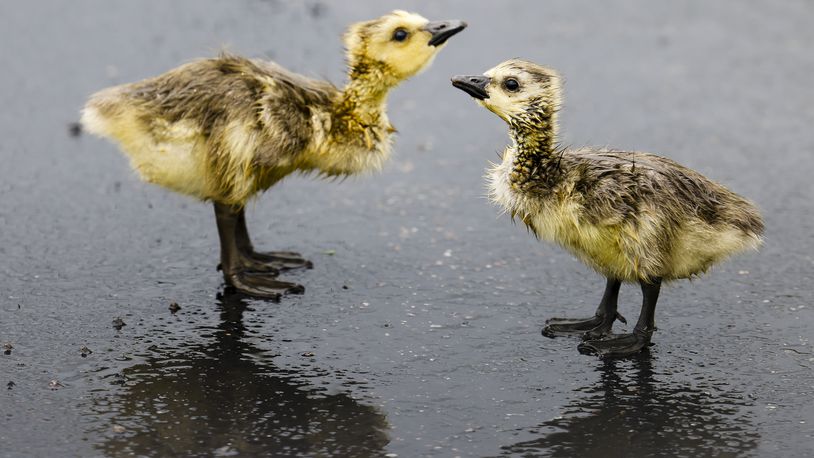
x: 604, y: 182
x: 620, y: 186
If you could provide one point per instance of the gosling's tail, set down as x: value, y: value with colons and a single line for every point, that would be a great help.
x: 100, y: 112
x: 747, y: 218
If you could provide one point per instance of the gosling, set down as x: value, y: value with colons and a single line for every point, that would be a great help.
x: 631, y: 216
x: 224, y: 129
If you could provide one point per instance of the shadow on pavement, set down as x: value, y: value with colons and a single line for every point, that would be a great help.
x: 224, y: 399
x: 630, y: 412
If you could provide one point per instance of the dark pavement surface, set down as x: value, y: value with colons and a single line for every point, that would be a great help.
x: 419, y: 333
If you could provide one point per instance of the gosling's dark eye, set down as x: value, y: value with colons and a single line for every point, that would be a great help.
x: 400, y: 34
x: 511, y: 84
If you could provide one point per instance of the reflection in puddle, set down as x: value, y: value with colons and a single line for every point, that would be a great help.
x: 221, y: 399
x: 630, y: 412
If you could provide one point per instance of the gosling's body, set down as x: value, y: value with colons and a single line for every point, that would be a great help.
x: 227, y: 128
x: 224, y: 129
x: 630, y: 216
x: 633, y: 217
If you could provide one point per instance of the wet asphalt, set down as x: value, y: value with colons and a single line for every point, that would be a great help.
x: 419, y: 332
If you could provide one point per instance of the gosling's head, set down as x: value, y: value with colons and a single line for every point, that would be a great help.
x: 516, y: 90
x: 405, y: 43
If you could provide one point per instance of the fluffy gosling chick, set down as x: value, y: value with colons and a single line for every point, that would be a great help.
x: 226, y: 128
x: 633, y: 217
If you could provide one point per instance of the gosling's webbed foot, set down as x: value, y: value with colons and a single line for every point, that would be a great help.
x: 261, y: 285
x: 250, y: 264
x: 282, y: 260
x: 570, y: 326
x: 617, y: 346
x: 595, y: 327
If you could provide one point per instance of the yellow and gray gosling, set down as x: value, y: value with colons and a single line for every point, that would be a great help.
x: 226, y: 128
x: 633, y: 217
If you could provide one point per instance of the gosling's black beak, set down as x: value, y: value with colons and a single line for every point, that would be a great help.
x: 442, y: 30
x: 474, y: 85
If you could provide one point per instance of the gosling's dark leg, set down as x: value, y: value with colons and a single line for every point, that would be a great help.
x: 598, y: 325
x: 629, y: 344
x: 281, y: 260
x: 235, y: 271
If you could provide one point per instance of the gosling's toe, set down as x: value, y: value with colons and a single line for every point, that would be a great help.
x: 282, y: 260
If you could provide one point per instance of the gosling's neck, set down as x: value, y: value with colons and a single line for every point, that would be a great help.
x: 363, y: 100
x: 534, y: 133
x: 534, y: 159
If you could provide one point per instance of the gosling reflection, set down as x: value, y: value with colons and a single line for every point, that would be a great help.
x: 632, y: 413
x: 222, y: 399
